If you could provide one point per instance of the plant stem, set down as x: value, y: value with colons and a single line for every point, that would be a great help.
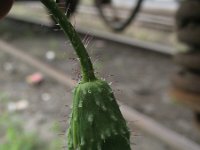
x: 86, y: 65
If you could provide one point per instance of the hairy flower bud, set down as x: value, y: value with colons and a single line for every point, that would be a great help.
x: 96, y: 123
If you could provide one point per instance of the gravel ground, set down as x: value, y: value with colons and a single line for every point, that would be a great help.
x: 139, y: 78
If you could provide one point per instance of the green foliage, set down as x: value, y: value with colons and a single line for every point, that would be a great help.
x: 3, y: 97
x: 15, y: 140
x: 56, y: 144
x: 13, y: 137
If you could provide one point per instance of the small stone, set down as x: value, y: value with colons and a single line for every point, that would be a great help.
x: 35, y: 79
x: 50, y: 55
x: 20, y: 105
x: 9, y: 67
x: 12, y: 106
x: 46, y: 96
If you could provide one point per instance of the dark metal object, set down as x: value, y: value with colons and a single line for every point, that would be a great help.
x: 188, y: 12
x: 113, y: 37
x: 70, y: 6
x: 116, y: 24
x: 105, y: 1
x: 189, y: 59
x: 5, y: 6
x: 188, y: 22
x: 197, y: 118
x: 114, y: 21
x: 190, y: 99
x: 186, y: 83
x: 186, y: 80
x: 190, y: 34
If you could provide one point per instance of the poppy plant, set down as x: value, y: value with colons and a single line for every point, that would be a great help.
x: 96, y: 122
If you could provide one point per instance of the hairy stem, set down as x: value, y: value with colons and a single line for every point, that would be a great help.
x: 86, y: 65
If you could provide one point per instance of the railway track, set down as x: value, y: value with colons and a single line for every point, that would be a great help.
x: 135, y: 43
x: 145, y: 17
x: 145, y: 123
x: 109, y: 36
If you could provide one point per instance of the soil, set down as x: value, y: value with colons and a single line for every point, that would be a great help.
x: 140, y: 79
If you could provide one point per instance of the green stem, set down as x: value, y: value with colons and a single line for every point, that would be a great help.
x: 86, y: 65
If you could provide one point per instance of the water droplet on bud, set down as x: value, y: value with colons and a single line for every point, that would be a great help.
x: 91, y: 118
x: 102, y: 136
x: 108, y: 133
x: 84, y: 92
x: 98, y: 103
x: 114, y: 117
x: 111, y: 98
x: 99, y: 90
x: 123, y: 131
x: 99, y: 147
x: 82, y: 141
x: 80, y: 104
x: 91, y: 140
x: 75, y: 119
x: 114, y: 131
x: 104, y: 108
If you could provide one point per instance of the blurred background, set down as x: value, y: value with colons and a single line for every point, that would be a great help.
x: 133, y: 45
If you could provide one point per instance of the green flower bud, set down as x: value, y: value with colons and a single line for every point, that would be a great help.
x: 96, y: 122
